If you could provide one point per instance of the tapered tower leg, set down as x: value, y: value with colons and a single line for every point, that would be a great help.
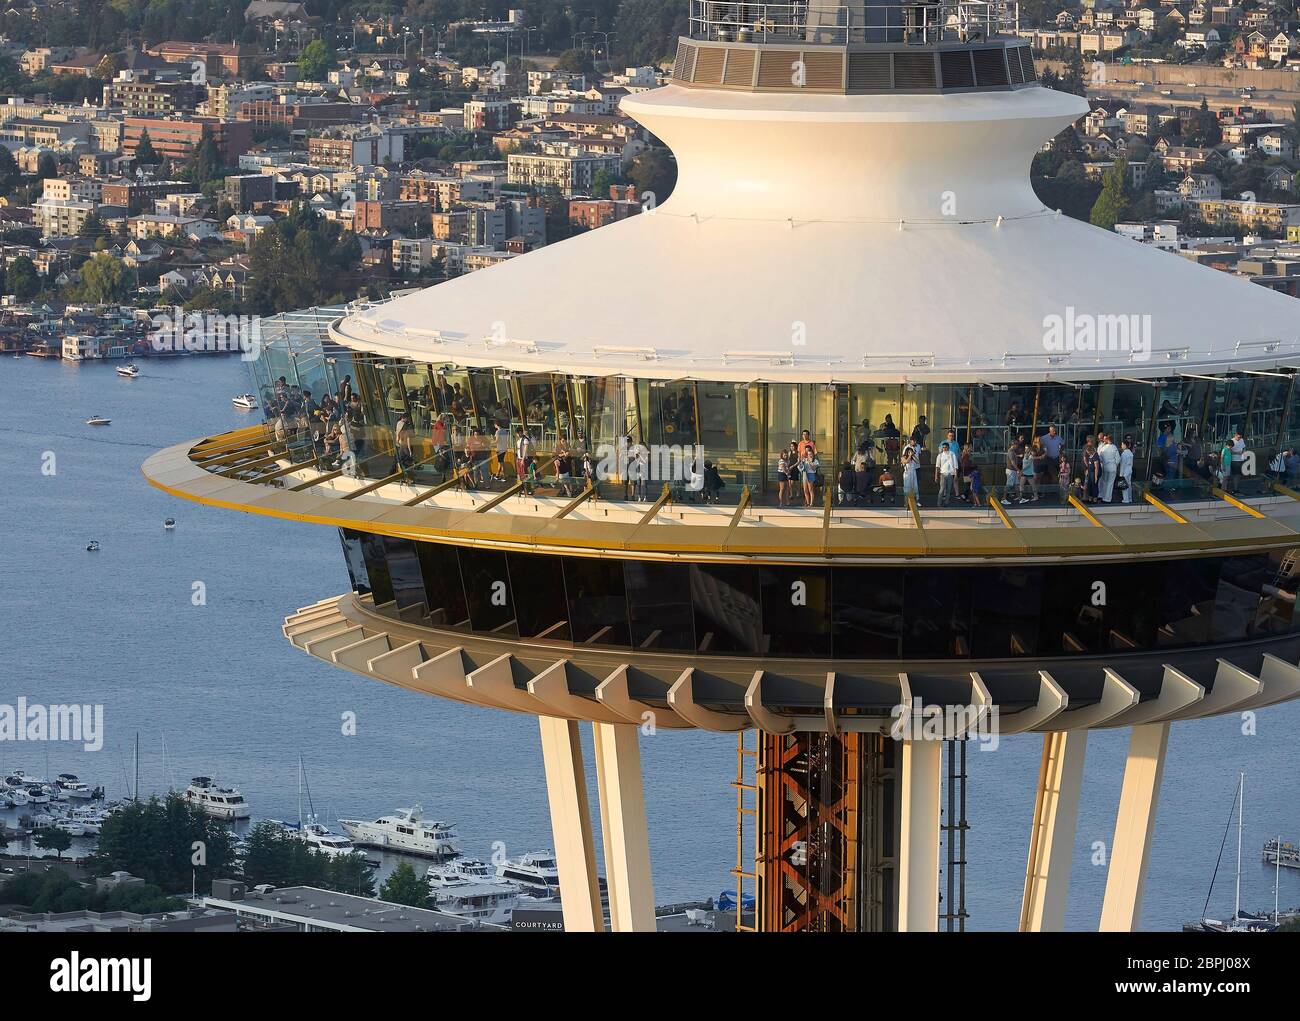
x: 918, y: 836
x: 575, y: 850
x: 623, y: 827
x: 1134, y: 827
x: 1051, y: 840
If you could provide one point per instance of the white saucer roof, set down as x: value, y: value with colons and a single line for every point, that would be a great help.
x: 843, y: 238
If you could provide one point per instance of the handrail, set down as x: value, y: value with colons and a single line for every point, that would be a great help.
x: 737, y: 516
x: 577, y: 501
x: 1229, y: 498
x: 1162, y: 506
x: 665, y: 497
x: 916, y: 511
x: 332, y: 475
x: 1082, y: 508
x: 509, y: 491
x: 913, y: 23
x: 1001, y: 512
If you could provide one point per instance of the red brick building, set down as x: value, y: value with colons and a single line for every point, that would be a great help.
x: 176, y: 138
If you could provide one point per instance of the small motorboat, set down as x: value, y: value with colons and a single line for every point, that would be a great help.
x: 246, y: 401
x: 93, y: 547
x: 130, y: 371
x: 169, y: 524
x: 98, y: 420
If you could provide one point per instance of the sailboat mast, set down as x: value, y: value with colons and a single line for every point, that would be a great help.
x: 136, y: 785
x: 1241, y: 800
x: 299, y: 793
x: 1277, y: 874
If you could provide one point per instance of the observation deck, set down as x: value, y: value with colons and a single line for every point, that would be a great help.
x: 419, y: 646
x: 852, y: 49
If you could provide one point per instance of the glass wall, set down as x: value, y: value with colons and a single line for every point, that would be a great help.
x: 910, y: 613
x: 709, y: 440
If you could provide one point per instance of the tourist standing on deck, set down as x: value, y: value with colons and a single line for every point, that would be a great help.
x: 945, y: 473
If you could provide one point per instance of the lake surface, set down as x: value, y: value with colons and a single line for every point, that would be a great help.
x: 231, y: 698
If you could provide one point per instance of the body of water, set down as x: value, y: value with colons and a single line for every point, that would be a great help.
x: 233, y: 699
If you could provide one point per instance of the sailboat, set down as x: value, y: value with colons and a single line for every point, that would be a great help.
x: 314, y: 833
x: 1241, y: 921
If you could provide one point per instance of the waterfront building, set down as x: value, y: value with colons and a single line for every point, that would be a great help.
x: 852, y: 264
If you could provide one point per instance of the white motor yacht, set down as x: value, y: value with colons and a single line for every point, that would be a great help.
x: 405, y: 830
x: 130, y: 370
x: 471, y: 889
x: 245, y: 401
x: 215, y: 800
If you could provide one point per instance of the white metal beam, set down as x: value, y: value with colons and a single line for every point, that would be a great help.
x: 624, y: 828
x: 918, y: 836
x: 1051, y: 838
x: 1135, y: 826
x: 575, y: 851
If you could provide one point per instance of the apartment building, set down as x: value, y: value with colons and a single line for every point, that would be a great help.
x: 176, y: 138
x: 569, y: 173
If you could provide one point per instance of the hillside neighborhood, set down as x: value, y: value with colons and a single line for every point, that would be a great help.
x: 255, y: 158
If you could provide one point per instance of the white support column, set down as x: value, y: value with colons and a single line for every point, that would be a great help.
x: 624, y: 830
x: 921, y: 776
x: 575, y: 850
x: 1135, y: 825
x: 1051, y: 839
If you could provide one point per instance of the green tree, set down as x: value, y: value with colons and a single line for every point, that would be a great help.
x: 315, y: 61
x: 653, y: 171
x: 107, y: 68
x: 1072, y: 80
x: 204, y: 164
x: 1111, y: 203
x: 156, y: 840
x: 145, y: 155
x: 22, y: 279
x: 575, y: 60
x: 47, y: 166
x: 602, y: 182
x: 403, y: 886
x: 349, y: 873
x: 10, y: 175
x: 104, y: 279
x: 53, y: 840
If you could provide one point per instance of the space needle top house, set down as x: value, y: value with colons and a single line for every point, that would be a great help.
x: 852, y: 252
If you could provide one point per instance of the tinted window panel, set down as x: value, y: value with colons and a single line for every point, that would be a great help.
x: 868, y: 612
x: 659, y: 605
x: 381, y: 586
x: 796, y: 605
x: 1007, y: 607
x: 356, y: 560
x: 936, y: 613
x: 404, y: 572
x: 1187, y: 602
x: 1073, y: 621
x: 538, y: 585
x: 597, y: 605
x: 440, y: 569
x: 1132, y: 608
x: 487, y: 591
x: 1277, y: 598
x: 1241, y: 580
x: 725, y: 600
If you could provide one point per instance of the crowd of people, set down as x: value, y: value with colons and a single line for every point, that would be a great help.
x: 1035, y: 465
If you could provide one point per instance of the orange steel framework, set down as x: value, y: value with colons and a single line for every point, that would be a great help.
x: 827, y: 831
